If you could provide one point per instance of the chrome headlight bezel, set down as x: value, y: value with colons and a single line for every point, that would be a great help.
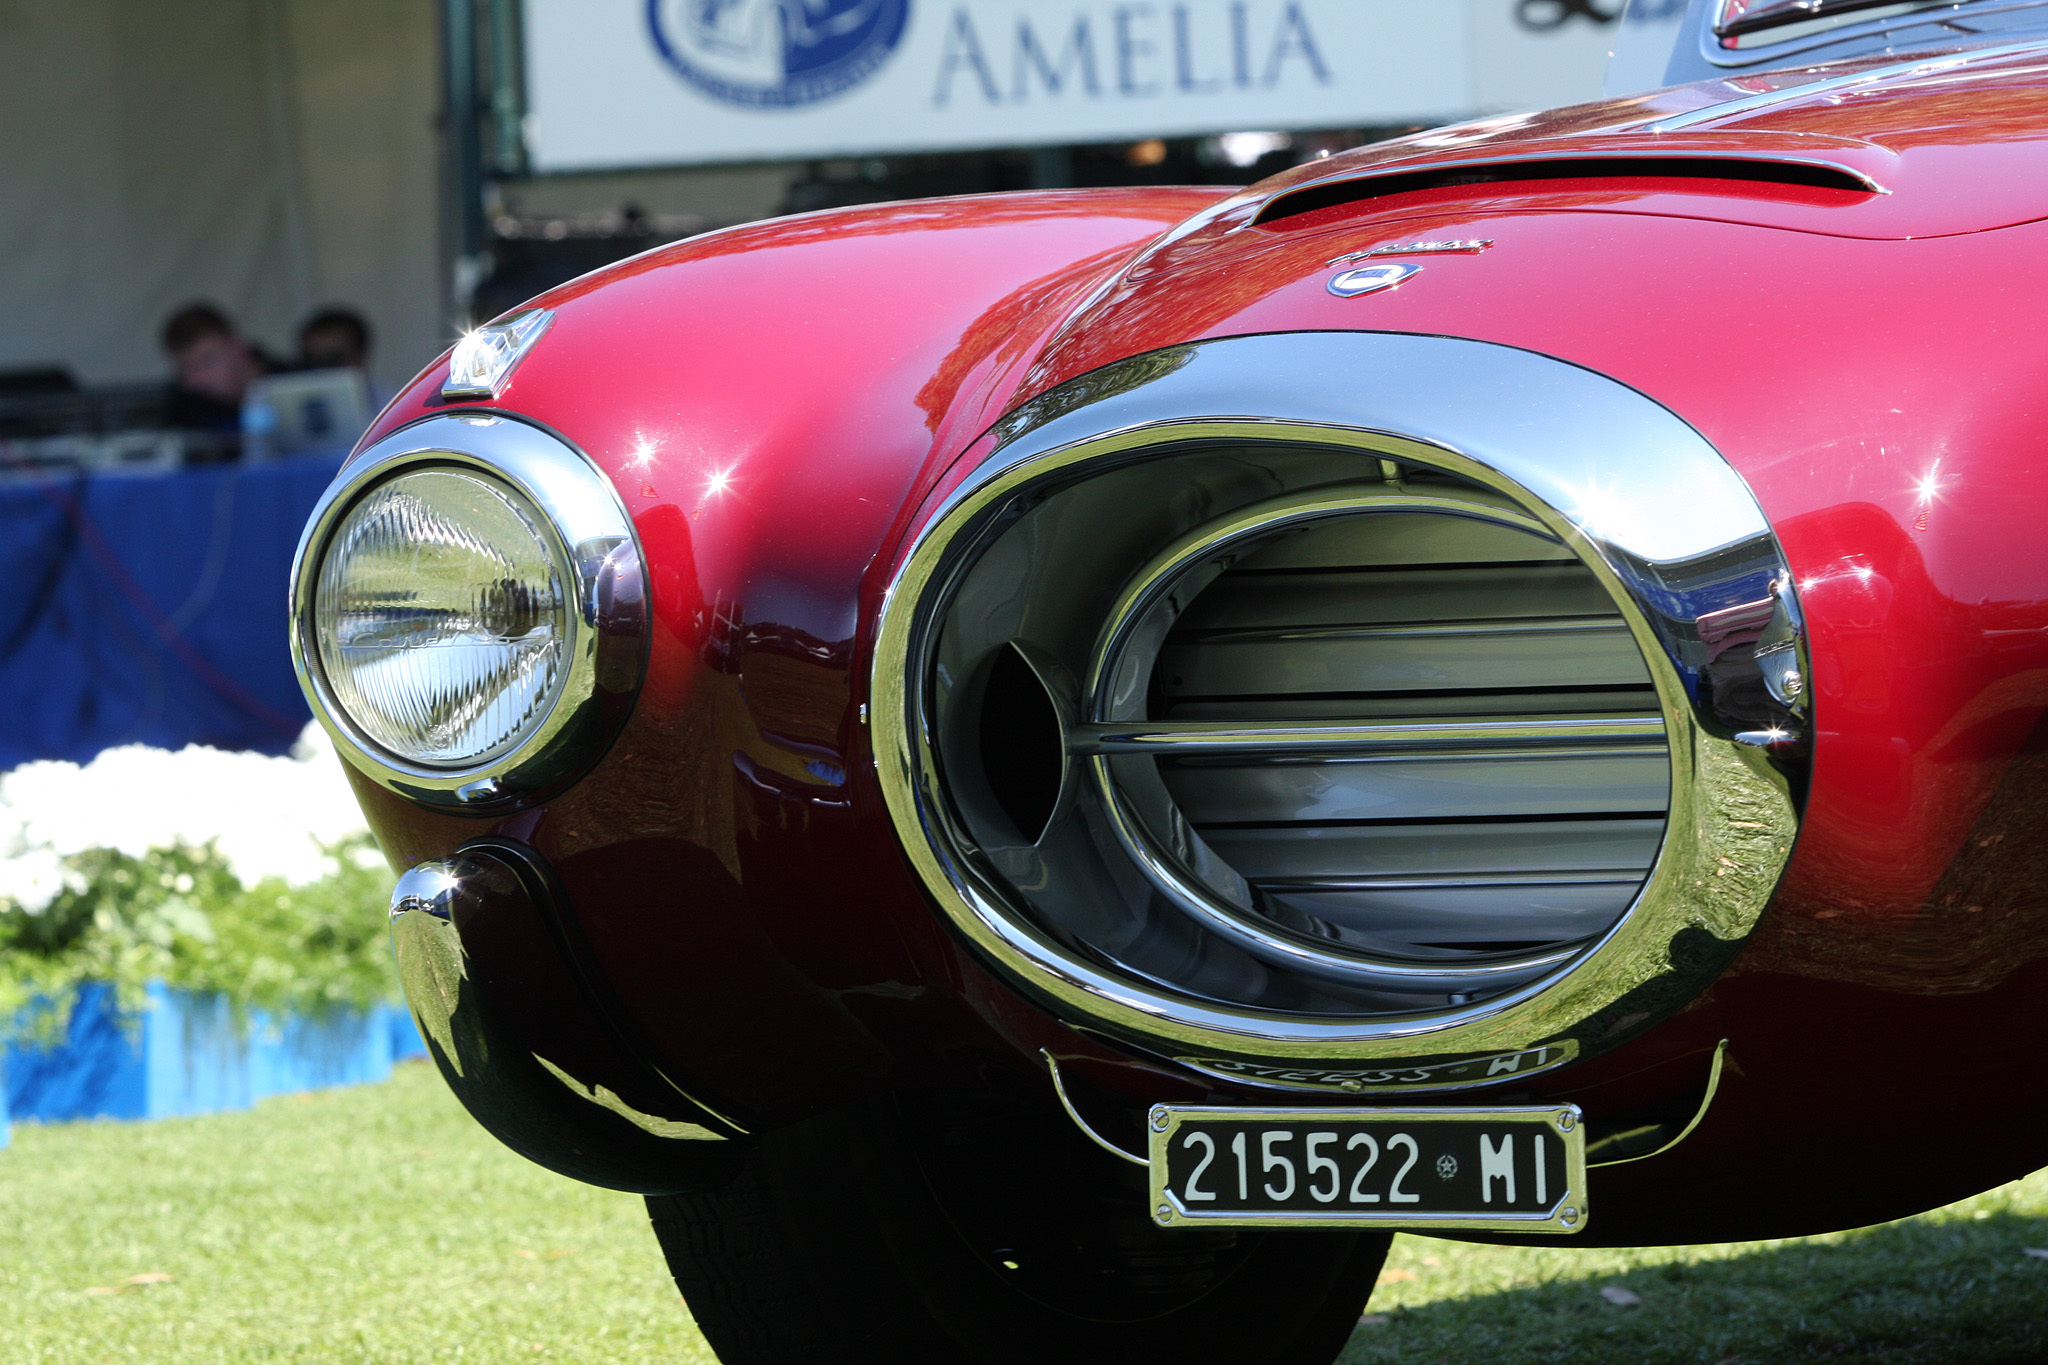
x: 606, y: 644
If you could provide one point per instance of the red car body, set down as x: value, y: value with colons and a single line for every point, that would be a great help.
x: 783, y: 407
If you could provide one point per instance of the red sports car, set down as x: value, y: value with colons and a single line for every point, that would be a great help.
x: 1039, y: 772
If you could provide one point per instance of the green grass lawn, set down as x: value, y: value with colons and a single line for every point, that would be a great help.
x: 1953, y: 1287
x: 376, y: 1224
x: 380, y: 1225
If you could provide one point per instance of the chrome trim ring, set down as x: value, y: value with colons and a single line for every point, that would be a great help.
x: 607, y: 646
x: 1666, y: 525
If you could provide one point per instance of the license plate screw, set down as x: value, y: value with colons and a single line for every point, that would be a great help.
x: 1567, y: 1121
x: 1164, y: 1213
x: 1568, y: 1215
x: 1158, y: 1118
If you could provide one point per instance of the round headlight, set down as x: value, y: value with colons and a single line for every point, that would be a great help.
x: 442, y: 617
x: 469, y: 612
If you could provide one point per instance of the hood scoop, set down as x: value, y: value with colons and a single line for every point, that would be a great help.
x: 1940, y: 144
x: 1713, y: 174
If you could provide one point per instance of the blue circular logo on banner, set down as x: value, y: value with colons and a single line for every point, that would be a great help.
x: 776, y: 53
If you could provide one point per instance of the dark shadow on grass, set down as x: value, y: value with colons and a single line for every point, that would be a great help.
x: 1918, y: 1292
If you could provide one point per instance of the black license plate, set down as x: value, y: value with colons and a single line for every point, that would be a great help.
x: 1511, y: 1170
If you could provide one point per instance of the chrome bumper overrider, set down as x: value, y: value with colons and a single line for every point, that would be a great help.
x: 506, y: 1025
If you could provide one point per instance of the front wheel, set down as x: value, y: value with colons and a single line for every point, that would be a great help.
x: 975, y: 1232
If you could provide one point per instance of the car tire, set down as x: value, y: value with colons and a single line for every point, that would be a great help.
x: 973, y: 1232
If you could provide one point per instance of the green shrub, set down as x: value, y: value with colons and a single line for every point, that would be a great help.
x: 180, y: 915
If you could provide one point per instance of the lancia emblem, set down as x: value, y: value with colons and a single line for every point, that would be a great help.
x: 1370, y: 279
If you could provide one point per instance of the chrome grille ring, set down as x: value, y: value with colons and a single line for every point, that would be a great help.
x: 1310, y: 706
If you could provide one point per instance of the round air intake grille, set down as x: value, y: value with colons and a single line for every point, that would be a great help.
x: 1412, y: 766
x: 1347, y: 710
x: 1282, y: 739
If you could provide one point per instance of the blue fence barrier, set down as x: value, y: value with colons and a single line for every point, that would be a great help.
x: 150, y: 609
x: 187, y: 1054
x: 406, y: 1043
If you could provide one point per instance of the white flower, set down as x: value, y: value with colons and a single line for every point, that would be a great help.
x: 33, y: 879
x: 268, y: 816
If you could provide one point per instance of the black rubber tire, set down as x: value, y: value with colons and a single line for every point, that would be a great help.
x: 881, y: 1236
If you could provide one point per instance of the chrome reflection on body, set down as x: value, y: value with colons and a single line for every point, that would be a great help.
x: 1623, y: 1140
x: 482, y: 362
x: 599, y: 657
x: 1059, y: 1089
x: 672, y: 1129
x: 1167, y: 945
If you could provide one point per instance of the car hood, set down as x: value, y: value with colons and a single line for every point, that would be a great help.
x: 1945, y: 143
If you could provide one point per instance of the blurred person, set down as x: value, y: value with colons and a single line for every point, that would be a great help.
x: 334, y: 339
x: 214, y: 367
x: 337, y: 338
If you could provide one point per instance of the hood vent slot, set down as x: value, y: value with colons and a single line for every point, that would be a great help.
x: 1719, y: 170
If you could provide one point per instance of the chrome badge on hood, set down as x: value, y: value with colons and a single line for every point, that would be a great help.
x: 1370, y: 279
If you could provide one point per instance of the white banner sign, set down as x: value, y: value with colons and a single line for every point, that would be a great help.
x: 616, y: 83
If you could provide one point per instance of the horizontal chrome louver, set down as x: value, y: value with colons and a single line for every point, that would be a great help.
x: 1515, y: 795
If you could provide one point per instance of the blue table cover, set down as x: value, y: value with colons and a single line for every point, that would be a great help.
x: 150, y: 609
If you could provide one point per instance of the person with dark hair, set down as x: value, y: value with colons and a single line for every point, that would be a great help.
x: 214, y: 367
x: 334, y: 339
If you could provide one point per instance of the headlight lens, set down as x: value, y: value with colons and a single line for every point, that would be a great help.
x: 442, y: 617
